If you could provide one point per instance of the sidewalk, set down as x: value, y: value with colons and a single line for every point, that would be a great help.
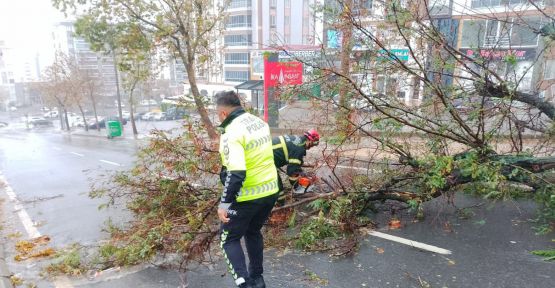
x: 5, y: 274
x: 143, y: 128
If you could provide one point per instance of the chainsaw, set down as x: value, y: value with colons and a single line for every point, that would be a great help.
x: 304, y: 184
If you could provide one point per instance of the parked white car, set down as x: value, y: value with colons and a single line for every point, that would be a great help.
x: 148, y: 116
x: 159, y: 116
x: 148, y: 102
x: 51, y: 114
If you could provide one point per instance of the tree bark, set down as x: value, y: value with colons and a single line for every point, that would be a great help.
x: 131, y: 114
x: 198, y: 101
x: 66, y: 120
x: 500, y: 91
x: 94, y: 109
x: 532, y: 165
x: 346, y: 31
x: 83, y: 115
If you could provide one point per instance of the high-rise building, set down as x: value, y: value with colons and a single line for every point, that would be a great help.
x: 96, y: 65
x: 498, y: 30
x: 252, y: 26
x: 7, y: 82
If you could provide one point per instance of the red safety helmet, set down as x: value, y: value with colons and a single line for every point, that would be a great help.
x: 312, y: 136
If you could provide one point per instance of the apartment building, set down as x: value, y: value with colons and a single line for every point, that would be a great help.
x: 255, y: 26
x: 373, y: 68
x: 97, y: 65
x: 498, y: 30
x: 7, y: 82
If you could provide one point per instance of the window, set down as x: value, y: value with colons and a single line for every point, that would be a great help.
x: 237, y: 76
x: 286, y: 19
x: 237, y: 58
x: 287, y: 3
x: 522, y: 34
x: 472, y: 29
x: 361, y: 5
x: 549, y: 70
x: 494, y: 3
x: 238, y: 21
x: 233, y: 4
x: 238, y: 40
x: 493, y: 33
x: 272, y: 21
x: 273, y: 3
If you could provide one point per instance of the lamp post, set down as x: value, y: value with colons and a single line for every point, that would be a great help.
x: 118, y: 95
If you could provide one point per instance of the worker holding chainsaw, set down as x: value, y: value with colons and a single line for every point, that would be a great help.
x: 290, y: 150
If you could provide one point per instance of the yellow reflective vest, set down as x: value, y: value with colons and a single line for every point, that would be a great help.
x: 246, y: 147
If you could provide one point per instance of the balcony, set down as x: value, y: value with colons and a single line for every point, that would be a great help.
x: 239, y: 5
x: 494, y: 41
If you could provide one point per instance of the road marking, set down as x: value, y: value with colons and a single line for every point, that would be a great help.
x: 411, y: 243
x: 283, y: 107
x: 352, y: 167
x: 21, y: 212
x: 78, y: 154
x: 32, y: 231
x: 110, y: 162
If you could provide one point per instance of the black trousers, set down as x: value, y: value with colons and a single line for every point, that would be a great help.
x: 246, y: 219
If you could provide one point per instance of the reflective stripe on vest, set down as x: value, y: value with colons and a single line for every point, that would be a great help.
x: 295, y: 161
x: 283, y: 146
x: 259, y: 191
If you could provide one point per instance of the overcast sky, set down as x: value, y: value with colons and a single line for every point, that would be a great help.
x: 26, y: 26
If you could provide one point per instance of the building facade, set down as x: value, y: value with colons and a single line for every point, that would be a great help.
x: 7, y: 81
x: 97, y: 65
x: 253, y: 26
x: 504, y: 33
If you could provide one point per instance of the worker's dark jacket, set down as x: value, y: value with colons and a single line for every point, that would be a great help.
x: 289, y: 150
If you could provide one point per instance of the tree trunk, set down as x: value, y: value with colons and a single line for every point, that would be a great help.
x: 66, y: 120
x: 531, y: 165
x: 347, y: 31
x: 118, y: 95
x: 83, y: 115
x: 93, y: 100
x: 199, y: 103
x: 131, y: 113
x: 61, y: 116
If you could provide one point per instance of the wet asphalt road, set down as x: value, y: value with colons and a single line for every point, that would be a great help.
x: 51, y: 172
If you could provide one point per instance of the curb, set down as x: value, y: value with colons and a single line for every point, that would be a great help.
x: 102, y: 136
x: 5, y: 274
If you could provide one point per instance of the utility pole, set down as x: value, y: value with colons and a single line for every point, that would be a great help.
x: 117, y: 86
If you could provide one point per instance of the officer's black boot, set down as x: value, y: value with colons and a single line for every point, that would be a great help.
x: 247, y: 284
x: 258, y: 282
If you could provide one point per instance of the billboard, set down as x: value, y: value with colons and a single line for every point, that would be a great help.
x: 283, y: 73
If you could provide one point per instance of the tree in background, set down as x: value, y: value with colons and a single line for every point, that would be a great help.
x: 186, y: 29
x: 59, y: 87
x: 90, y: 87
x: 134, y: 51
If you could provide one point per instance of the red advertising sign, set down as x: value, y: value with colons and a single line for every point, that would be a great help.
x: 499, y: 54
x: 279, y: 73
x: 283, y: 73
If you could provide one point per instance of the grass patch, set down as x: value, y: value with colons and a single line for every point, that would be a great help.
x: 548, y: 255
x: 67, y: 262
x: 314, y: 232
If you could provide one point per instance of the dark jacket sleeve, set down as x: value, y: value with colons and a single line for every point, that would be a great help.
x: 232, y: 181
x: 296, y: 159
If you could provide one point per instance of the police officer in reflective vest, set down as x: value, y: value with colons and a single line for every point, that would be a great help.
x: 250, y: 188
x: 291, y: 150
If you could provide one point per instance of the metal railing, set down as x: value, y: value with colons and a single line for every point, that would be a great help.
x: 235, y: 4
x: 494, y: 41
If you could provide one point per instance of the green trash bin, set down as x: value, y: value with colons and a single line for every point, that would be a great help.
x: 113, y: 128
